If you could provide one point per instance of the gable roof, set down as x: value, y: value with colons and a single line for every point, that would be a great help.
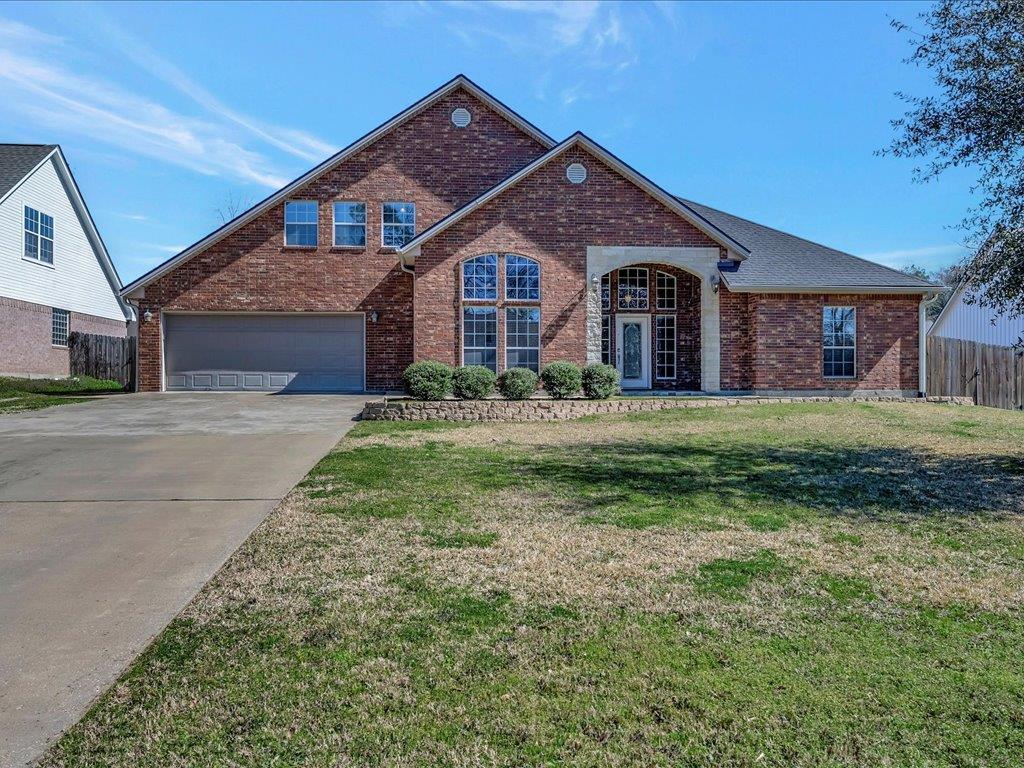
x: 783, y: 262
x: 17, y: 161
x: 459, y: 81
x: 21, y: 156
x: 579, y: 139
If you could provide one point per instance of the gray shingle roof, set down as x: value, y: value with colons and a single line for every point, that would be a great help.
x: 780, y: 260
x: 16, y: 160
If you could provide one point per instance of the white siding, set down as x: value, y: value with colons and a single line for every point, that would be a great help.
x: 77, y: 281
x: 974, y: 322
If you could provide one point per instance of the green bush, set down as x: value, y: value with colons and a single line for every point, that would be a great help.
x: 600, y: 381
x: 473, y: 382
x: 74, y: 385
x: 561, y: 379
x: 517, y: 383
x: 428, y: 380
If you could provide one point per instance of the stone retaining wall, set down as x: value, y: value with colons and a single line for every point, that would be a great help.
x: 557, y: 410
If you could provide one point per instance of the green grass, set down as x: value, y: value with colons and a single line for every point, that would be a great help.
x: 17, y: 394
x: 815, y: 585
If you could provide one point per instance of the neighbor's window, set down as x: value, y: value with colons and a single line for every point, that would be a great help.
x: 59, y: 327
x: 665, y: 347
x: 398, y: 224
x: 300, y: 222
x: 839, y: 340
x: 480, y: 337
x: 522, y: 338
x: 606, y: 339
x: 522, y: 279
x: 480, y: 277
x: 606, y: 291
x: 633, y: 288
x: 350, y: 224
x: 38, y: 236
x: 666, y: 289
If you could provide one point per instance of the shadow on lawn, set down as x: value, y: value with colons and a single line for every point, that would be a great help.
x: 641, y: 484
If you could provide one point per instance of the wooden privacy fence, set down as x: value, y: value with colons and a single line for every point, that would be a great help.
x: 991, y: 375
x: 104, y: 357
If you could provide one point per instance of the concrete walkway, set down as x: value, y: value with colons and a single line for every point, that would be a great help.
x: 113, y: 514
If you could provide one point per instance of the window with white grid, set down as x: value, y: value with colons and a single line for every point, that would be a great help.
x: 480, y: 278
x: 666, y: 290
x: 665, y: 347
x: 839, y: 342
x: 606, y: 339
x: 480, y: 336
x: 606, y: 292
x: 59, y: 327
x: 522, y: 278
x: 38, y: 236
x: 633, y: 288
x: 398, y: 224
x: 522, y: 338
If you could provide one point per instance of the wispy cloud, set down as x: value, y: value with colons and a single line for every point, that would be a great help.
x: 929, y: 257
x: 38, y: 79
x: 134, y: 216
x: 162, y: 248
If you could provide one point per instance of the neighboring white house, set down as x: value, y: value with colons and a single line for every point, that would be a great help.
x: 976, y: 322
x: 55, y: 273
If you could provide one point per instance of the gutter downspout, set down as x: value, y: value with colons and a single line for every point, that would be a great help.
x: 922, y: 343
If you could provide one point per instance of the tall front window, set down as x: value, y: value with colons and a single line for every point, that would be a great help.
x: 480, y: 337
x: 480, y: 278
x: 300, y: 222
x: 839, y: 342
x: 38, y: 236
x: 666, y: 290
x: 606, y: 339
x: 350, y: 224
x: 665, y: 347
x: 522, y: 279
x: 606, y: 291
x: 633, y: 288
x: 398, y: 224
x: 59, y: 327
x: 522, y: 338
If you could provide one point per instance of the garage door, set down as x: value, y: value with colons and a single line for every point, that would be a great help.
x: 293, y: 353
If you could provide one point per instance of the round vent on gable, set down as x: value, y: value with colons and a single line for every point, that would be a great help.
x: 576, y: 173
x: 461, y: 117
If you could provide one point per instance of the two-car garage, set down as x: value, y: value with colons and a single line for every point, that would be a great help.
x: 264, y: 352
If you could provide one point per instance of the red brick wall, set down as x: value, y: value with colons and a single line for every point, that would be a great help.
x: 553, y: 221
x: 737, y: 329
x: 426, y: 160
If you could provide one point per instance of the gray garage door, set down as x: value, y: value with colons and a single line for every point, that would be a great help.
x: 293, y: 353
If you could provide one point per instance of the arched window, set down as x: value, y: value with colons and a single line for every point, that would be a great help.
x: 522, y: 278
x: 480, y: 278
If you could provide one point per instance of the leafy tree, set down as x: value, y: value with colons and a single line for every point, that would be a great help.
x: 947, y: 276
x: 975, y: 50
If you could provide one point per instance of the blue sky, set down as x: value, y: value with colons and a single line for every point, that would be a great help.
x: 770, y: 111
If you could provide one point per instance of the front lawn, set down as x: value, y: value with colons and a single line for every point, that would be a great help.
x: 17, y: 394
x: 790, y: 585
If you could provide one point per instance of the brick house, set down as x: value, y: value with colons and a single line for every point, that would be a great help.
x: 458, y: 231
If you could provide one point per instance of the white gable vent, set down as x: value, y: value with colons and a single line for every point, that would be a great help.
x: 461, y: 117
x: 576, y: 173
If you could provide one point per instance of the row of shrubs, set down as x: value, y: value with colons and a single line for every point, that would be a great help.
x: 430, y: 380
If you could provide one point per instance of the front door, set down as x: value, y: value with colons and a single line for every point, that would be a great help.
x: 633, y: 350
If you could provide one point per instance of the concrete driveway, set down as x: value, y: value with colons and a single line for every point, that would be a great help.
x: 113, y: 514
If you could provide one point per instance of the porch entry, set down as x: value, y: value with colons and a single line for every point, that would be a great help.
x: 633, y: 350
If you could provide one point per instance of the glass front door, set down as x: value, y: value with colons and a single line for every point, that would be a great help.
x: 634, y: 350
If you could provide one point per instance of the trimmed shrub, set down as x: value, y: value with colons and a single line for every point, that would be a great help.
x: 428, y: 380
x: 517, y: 383
x: 600, y: 381
x: 561, y: 379
x: 473, y: 382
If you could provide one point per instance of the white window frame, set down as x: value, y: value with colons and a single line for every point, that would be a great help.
x: 540, y: 281
x: 540, y: 327
x: 497, y: 278
x: 384, y: 205
x: 670, y: 281
x: 618, y: 298
x: 335, y: 224
x: 674, y: 350
x: 316, y: 225
x: 462, y: 331
x: 56, y: 312
x: 825, y: 346
x: 606, y: 282
x: 38, y: 258
x: 606, y: 339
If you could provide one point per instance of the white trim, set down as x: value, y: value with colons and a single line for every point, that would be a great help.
x: 284, y: 223
x: 644, y: 319
x: 334, y: 225
x: 460, y: 81
x: 648, y: 186
x: 834, y: 289
x: 395, y: 202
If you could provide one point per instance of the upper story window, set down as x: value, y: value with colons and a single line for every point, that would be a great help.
x: 59, y: 327
x: 38, y: 236
x: 633, y: 288
x: 398, y: 224
x: 666, y: 290
x: 300, y: 222
x: 522, y: 279
x: 350, y: 224
x: 480, y: 277
x: 839, y: 342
